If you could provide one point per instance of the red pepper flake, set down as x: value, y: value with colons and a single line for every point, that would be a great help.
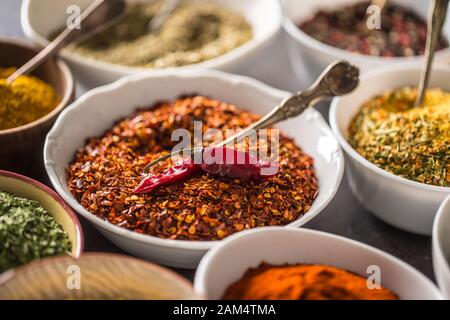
x: 200, y: 206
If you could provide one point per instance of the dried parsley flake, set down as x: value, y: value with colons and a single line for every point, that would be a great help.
x: 411, y: 142
x: 28, y: 232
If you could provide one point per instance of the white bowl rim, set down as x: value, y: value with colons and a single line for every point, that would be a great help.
x: 215, y: 63
x: 302, y: 37
x: 171, y: 243
x: 200, y: 281
x: 365, y: 78
x: 436, y: 237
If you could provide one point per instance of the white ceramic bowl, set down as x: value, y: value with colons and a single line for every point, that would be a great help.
x: 441, y: 247
x: 263, y: 15
x: 96, y: 112
x: 309, y: 56
x: 406, y: 204
x: 274, y: 245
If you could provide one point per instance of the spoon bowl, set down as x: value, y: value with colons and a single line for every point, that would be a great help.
x: 342, y: 78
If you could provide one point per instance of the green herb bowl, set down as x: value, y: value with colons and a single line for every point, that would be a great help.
x: 31, y: 189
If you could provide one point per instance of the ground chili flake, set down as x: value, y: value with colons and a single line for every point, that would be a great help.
x: 105, y: 172
x: 403, y: 33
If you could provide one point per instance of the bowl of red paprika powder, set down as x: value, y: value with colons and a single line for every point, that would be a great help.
x: 333, y: 260
x: 177, y: 224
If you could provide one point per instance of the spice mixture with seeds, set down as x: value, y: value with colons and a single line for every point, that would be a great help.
x: 403, y: 33
x: 105, y: 172
x: 193, y: 33
x: 411, y: 142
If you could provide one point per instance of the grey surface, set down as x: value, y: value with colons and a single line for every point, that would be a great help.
x: 344, y: 215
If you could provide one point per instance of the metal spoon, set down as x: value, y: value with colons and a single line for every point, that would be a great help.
x: 99, y: 14
x: 435, y: 23
x: 379, y: 3
x: 161, y: 16
x: 338, y: 79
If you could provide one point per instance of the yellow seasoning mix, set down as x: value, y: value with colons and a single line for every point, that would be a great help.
x: 411, y: 142
x: 25, y: 100
x: 193, y: 33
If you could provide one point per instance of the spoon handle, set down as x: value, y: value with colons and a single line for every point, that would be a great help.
x: 161, y: 16
x: 379, y: 3
x: 435, y: 24
x: 88, y: 22
x: 338, y: 79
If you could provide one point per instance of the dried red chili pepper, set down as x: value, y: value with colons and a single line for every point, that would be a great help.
x: 179, y: 171
x: 237, y: 164
x: 218, y: 161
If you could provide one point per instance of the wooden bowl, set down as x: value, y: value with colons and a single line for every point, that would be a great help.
x: 101, y: 276
x: 30, y: 189
x: 17, y: 144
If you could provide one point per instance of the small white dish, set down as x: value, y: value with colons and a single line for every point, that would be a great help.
x: 96, y: 111
x: 403, y: 203
x: 441, y: 247
x: 263, y: 15
x: 310, y: 55
x: 274, y: 245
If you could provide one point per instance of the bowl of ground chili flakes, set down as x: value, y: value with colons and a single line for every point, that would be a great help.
x: 252, y: 267
x: 398, y: 154
x: 96, y: 153
x: 322, y: 31
x: 215, y: 34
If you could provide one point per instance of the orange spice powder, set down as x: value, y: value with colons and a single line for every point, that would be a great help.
x: 303, y: 282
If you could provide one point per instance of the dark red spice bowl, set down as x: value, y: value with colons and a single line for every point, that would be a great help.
x: 98, y: 110
x: 308, y: 56
x: 31, y: 189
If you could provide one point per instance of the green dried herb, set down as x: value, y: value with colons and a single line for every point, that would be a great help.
x: 411, y: 142
x: 28, y: 232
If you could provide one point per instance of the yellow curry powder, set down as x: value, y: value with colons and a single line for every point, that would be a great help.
x: 25, y: 100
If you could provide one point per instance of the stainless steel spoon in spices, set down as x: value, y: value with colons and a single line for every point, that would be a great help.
x: 99, y: 14
x: 338, y: 79
x: 161, y: 16
x: 379, y: 3
x: 435, y: 23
